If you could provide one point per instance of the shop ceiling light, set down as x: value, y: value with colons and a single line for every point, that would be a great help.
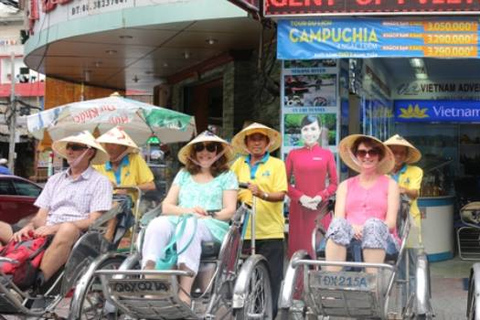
x: 86, y: 75
x: 421, y: 76
x: 417, y: 63
x: 211, y: 41
x: 110, y: 52
x: 186, y: 55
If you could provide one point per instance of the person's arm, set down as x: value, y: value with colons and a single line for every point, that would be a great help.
x: 38, y: 221
x: 145, y: 175
x: 340, y: 201
x: 293, y: 192
x: 80, y: 224
x: 229, y: 205
x: 393, y: 205
x: 147, y: 186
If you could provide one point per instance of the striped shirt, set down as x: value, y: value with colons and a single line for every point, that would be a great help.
x: 67, y: 199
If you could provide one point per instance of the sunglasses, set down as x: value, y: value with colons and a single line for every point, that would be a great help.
x: 211, y: 147
x: 75, y: 147
x: 372, y: 153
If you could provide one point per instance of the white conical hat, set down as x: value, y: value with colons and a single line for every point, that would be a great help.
x: 118, y: 136
x: 414, y: 155
x: 86, y: 138
x: 205, y: 136
x: 238, y: 141
x: 348, y: 157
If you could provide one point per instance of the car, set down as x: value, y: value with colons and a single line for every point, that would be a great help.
x: 17, y: 196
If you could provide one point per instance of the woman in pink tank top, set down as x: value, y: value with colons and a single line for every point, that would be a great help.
x: 366, y: 205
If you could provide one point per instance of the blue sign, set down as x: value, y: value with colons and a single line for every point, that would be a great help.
x: 308, y: 39
x: 437, y: 111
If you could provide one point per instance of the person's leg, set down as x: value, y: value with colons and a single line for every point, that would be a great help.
x: 6, y: 232
x: 339, y: 236
x: 157, y: 236
x: 58, y: 251
x: 273, y: 251
x: 374, y: 242
x: 191, y: 245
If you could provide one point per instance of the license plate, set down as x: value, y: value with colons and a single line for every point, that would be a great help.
x: 342, y: 280
x: 140, y: 286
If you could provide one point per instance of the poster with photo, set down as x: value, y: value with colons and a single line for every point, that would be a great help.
x: 309, y: 88
x: 292, y: 129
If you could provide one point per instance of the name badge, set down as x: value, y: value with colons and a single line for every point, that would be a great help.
x: 317, y: 159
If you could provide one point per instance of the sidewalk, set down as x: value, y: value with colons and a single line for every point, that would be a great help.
x: 449, y: 293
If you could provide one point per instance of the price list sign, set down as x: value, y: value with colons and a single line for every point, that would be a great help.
x: 369, y: 37
x: 450, y: 39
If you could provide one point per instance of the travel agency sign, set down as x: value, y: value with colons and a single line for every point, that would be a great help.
x: 437, y: 111
x: 327, y: 38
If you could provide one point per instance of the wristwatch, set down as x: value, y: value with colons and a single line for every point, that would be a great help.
x: 265, y: 196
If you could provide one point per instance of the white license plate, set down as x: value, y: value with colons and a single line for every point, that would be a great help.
x: 139, y: 287
x: 338, y: 280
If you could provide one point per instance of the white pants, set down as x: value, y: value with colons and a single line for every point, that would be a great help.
x: 159, y: 232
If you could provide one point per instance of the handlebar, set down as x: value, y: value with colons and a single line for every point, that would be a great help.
x: 243, y: 185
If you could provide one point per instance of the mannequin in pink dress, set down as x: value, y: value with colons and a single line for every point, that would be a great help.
x: 307, y: 171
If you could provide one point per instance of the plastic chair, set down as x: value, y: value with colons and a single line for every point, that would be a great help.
x: 468, y: 235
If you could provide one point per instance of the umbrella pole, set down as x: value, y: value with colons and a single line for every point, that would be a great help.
x: 13, y: 119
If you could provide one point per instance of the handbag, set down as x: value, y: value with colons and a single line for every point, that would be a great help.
x: 171, y: 252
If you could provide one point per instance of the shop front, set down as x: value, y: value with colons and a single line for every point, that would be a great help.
x: 411, y: 73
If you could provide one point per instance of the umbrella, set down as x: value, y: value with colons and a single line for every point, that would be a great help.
x: 140, y: 120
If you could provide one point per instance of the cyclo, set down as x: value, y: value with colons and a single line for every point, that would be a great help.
x: 229, y: 283
x: 43, y: 302
x: 308, y: 292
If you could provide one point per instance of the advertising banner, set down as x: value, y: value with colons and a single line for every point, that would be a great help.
x: 305, y: 39
x: 437, y: 111
x: 309, y: 88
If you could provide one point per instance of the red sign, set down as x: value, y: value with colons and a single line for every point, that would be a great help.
x: 248, y: 5
x: 368, y: 7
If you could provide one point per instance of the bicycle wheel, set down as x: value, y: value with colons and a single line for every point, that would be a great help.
x: 258, y: 299
x: 93, y: 302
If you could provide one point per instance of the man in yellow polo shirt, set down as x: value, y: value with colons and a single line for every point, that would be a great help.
x: 409, y: 179
x: 267, y: 181
x: 125, y: 167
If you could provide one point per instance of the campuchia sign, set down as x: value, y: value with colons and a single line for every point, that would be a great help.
x: 368, y: 7
x: 437, y: 111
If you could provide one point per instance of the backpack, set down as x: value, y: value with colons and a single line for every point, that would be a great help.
x: 29, y: 254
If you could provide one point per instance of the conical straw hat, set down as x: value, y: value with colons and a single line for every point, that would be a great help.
x: 205, y: 136
x: 238, y: 141
x: 85, y: 138
x: 414, y: 155
x: 118, y: 136
x: 348, y: 157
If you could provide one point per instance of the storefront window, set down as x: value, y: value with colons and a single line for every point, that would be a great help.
x: 439, y: 160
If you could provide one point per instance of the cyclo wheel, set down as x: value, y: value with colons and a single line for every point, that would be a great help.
x: 472, y: 300
x: 258, y: 300
x: 92, y: 303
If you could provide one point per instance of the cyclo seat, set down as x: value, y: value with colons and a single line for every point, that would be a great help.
x: 210, y: 249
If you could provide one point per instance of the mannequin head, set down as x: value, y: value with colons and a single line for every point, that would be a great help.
x: 311, y: 129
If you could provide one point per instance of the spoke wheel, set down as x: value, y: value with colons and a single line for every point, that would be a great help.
x: 93, y: 302
x: 258, y: 300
